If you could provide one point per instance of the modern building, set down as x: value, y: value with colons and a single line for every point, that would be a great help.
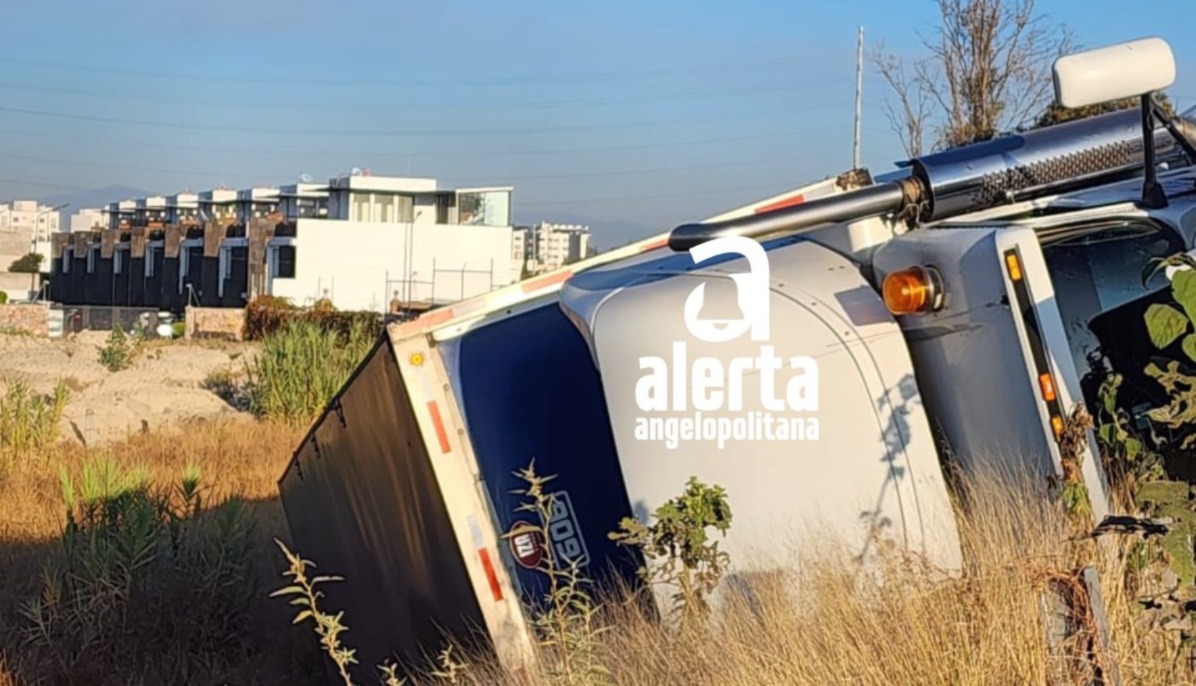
x: 121, y: 213
x: 219, y: 206
x: 151, y: 210
x: 182, y: 208
x: 256, y: 203
x: 303, y: 201
x: 362, y: 241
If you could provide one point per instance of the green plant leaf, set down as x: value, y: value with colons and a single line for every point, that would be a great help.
x: 1163, y: 492
x: 1189, y: 346
x: 1183, y: 289
x: 1165, y: 324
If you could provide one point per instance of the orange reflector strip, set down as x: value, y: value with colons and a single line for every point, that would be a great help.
x: 655, y: 244
x: 537, y: 284
x: 438, y: 423
x: 1048, y: 387
x: 781, y: 204
x: 1015, y: 267
x: 1057, y: 425
x: 491, y: 577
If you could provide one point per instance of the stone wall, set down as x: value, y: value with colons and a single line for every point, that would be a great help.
x: 215, y: 322
x: 29, y: 319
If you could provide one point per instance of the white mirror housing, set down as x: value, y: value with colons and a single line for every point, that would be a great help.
x: 1114, y: 72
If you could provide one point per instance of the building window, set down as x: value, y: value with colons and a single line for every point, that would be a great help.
x: 492, y: 208
x: 117, y: 262
x: 66, y: 261
x: 361, y: 207
x: 386, y: 208
x: 284, y: 267
x: 91, y: 260
x: 149, y: 263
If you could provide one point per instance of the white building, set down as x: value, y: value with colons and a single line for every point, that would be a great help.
x: 551, y: 246
x: 522, y: 251
x: 303, y: 200
x: 389, y: 238
x: 151, y: 210
x: 182, y: 208
x: 25, y: 227
x: 218, y: 205
x: 121, y: 213
x: 256, y: 203
x: 88, y: 219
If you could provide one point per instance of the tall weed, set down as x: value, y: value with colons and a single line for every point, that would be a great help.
x: 301, y: 367
x: 134, y: 560
x: 29, y: 421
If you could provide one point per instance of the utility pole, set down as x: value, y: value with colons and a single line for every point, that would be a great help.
x: 859, y: 98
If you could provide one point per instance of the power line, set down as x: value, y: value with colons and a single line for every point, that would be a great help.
x: 476, y: 81
x: 380, y: 133
x: 342, y: 106
x: 466, y: 180
x: 552, y: 150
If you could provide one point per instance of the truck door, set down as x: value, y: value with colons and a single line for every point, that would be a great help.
x: 815, y: 427
x: 1011, y: 353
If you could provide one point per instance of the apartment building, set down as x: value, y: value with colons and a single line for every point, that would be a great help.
x: 362, y: 241
x: 88, y: 220
x: 25, y: 226
x: 547, y: 246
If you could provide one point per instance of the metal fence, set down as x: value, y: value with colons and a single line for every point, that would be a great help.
x: 76, y: 318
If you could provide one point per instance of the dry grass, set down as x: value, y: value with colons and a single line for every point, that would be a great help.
x: 917, y: 628
x: 237, y: 459
x: 826, y: 626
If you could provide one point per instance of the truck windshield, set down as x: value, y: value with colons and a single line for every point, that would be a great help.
x: 1097, y: 272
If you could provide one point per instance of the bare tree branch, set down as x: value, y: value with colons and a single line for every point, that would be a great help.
x: 988, y: 70
x: 908, y: 117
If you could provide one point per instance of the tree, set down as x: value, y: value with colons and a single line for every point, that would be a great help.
x: 1057, y: 114
x: 29, y: 263
x: 987, y: 71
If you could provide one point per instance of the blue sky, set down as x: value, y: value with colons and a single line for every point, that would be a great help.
x: 655, y: 113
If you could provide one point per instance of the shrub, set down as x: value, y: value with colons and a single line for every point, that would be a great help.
x: 268, y: 314
x: 135, y: 561
x: 29, y: 263
x: 117, y: 353
x: 3, y: 297
x: 678, y: 540
x: 29, y: 421
x: 301, y: 367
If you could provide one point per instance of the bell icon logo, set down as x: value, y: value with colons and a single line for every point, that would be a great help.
x: 752, y: 290
x: 718, y: 387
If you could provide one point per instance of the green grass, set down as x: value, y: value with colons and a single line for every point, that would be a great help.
x: 301, y: 367
x: 29, y: 421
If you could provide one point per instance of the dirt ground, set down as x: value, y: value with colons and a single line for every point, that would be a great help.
x: 165, y: 385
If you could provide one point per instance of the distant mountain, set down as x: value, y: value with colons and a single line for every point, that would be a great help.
x: 606, y: 233
x: 95, y: 199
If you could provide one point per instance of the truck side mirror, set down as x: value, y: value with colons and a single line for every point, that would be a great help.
x: 1126, y: 70
x: 1115, y: 72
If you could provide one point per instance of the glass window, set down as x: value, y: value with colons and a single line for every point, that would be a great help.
x: 284, y: 267
x: 1097, y: 274
x: 488, y: 208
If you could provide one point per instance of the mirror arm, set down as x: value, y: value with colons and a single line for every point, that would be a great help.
x: 1176, y: 132
x: 1153, y: 196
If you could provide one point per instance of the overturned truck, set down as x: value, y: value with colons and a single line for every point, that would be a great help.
x: 826, y: 356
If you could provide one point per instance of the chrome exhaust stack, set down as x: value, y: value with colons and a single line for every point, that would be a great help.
x: 1012, y: 168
